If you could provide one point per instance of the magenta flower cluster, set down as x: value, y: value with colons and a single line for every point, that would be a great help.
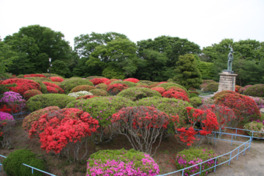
x: 5, y: 116
x: 11, y: 97
x: 148, y: 167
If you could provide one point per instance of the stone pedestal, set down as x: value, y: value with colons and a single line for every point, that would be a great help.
x: 227, y: 81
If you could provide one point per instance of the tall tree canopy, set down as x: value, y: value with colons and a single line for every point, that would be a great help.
x: 35, y: 44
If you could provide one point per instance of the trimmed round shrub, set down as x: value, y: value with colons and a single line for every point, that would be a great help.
x: 193, y: 156
x: 176, y: 94
x: 34, y: 116
x: 114, y: 89
x: 34, y: 75
x: 255, y: 90
x: 96, y: 81
x: 133, y: 80
x: 56, y: 79
x: 5, y: 116
x: 13, y: 101
x: 45, y: 100
x: 172, y: 107
x: 211, y: 87
x: 196, y: 101
x: 80, y: 93
x: 242, y: 89
x: 146, y: 82
x: 167, y: 85
x: 82, y: 88
x: 142, y: 125
x: 255, y: 126
x: 121, y: 162
x: 40, y: 80
x: 237, y: 88
x: 31, y: 93
x: 206, y: 82
x: 245, y: 108
x: 92, y: 77
x: 142, y: 85
x: 22, y: 85
x: 99, y: 92
x: 101, y: 86
x: 68, y: 84
x: 161, y: 90
x: 136, y: 93
x: 129, y: 84
x: 53, y: 88
x: 13, y: 163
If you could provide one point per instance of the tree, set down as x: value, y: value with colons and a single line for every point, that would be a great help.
x: 59, y: 67
x: 187, y: 72
x: 7, y: 55
x: 35, y: 44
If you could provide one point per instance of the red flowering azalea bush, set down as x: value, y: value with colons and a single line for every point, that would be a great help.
x: 225, y: 115
x: 12, y: 102
x: 129, y: 84
x: 30, y: 93
x: 245, y: 108
x: 7, y: 123
x: 134, y: 80
x: 22, y: 85
x: 176, y: 94
x: 56, y: 79
x: 34, y: 75
x: 142, y: 126
x: 34, y: 116
x: 121, y: 162
x: 58, y: 129
x: 114, y: 89
x: 96, y: 81
x: 53, y: 88
x: 82, y: 88
x: 161, y: 90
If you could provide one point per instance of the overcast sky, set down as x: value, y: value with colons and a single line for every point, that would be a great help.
x: 201, y: 21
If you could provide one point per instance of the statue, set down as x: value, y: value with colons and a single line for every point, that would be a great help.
x: 230, y: 60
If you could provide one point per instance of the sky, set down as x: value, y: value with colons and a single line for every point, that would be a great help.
x: 203, y: 22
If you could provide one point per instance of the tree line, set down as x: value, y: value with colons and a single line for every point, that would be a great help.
x: 113, y: 55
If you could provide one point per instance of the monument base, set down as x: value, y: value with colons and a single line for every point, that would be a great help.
x: 227, y: 81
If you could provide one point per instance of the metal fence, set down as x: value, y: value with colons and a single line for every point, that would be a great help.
x: 249, y: 131
x: 32, y: 168
x: 221, y: 159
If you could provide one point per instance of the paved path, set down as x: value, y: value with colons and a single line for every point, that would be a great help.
x: 252, y: 164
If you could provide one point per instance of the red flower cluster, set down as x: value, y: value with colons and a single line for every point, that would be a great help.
x: 22, y: 85
x: 30, y: 93
x: 187, y: 135
x: 5, y: 108
x: 243, y: 106
x: 116, y: 88
x: 176, y: 94
x: 96, y: 81
x: 161, y: 90
x: 53, y: 88
x: 134, y: 80
x: 34, y: 75
x: 56, y: 79
x: 61, y: 127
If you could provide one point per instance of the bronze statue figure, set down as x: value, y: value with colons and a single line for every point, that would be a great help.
x: 230, y: 60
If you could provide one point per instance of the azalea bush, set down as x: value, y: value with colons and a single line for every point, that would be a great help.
x: 259, y: 101
x: 196, y: 101
x: 99, y: 92
x: 193, y: 156
x: 102, y: 109
x: 176, y: 94
x: 121, y: 162
x: 34, y: 116
x: 34, y: 75
x: 68, y: 84
x: 255, y: 126
x: 134, y: 80
x: 53, y: 88
x: 96, y: 81
x: 136, y: 93
x: 56, y: 79
x: 101, y: 86
x: 80, y: 93
x: 7, y: 123
x: 64, y: 129
x: 161, y: 90
x: 211, y: 87
x: 86, y: 97
x: 142, y: 125
x: 82, y: 88
x: 127, y: 83
x: 245, y: 108
x: 114, y: 89
x: 13, y: 163
x: 31, y: 93
x: 255, y: 90
x: 166, y: 85
x: 44, y: 100
x: 22, y: 85
x: 13, y: 101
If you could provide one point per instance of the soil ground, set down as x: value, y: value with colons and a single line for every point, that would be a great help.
x: 250, y: 164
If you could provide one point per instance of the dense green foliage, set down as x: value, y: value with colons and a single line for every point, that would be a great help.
x: 136, y: 93
x: 196, y: 101
x: 68, y: 84
x: 255, y: 126
x: 255, y: 90
x: 45, y: 100
x: 13, y: 163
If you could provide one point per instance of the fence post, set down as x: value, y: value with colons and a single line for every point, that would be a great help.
x: 215, y: 164
x: 232, y: 139
x: 238, y: 152
x: 236, y: 133
x: 230, y: 158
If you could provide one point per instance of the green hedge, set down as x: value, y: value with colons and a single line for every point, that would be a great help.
x: 136, y: 93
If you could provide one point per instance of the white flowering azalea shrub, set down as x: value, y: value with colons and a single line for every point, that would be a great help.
x: 80, y: 93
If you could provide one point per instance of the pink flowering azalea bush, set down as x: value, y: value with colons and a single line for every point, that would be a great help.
x: 193, y: 156
x: 14, y: 101
x: 121, y: 162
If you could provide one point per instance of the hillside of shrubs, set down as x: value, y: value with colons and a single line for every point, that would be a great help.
x: 67, y: 115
